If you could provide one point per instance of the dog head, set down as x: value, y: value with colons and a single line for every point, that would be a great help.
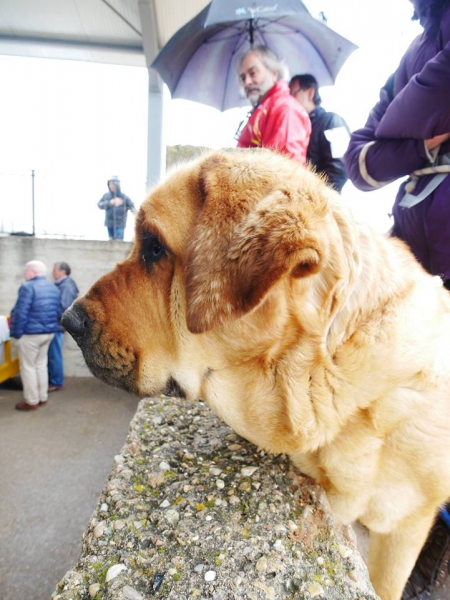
x: 218, y: 247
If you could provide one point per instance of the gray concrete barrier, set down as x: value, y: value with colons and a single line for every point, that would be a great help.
x: 191, y: 510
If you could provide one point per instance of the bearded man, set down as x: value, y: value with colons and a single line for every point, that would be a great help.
x: 277, y: 120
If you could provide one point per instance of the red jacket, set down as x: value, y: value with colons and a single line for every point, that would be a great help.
x: 278, y: 122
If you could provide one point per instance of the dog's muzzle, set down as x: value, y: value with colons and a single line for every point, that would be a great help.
x: 76, y: 322
x: 108, y: 357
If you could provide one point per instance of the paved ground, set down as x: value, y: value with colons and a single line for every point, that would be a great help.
x: 53, y: 465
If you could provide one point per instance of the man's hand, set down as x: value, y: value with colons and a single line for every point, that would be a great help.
x: 433, y: 143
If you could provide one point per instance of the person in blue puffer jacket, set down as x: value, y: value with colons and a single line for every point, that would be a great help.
x: 34, y: 321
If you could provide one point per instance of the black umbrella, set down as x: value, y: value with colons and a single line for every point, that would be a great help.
x: 199, y: 62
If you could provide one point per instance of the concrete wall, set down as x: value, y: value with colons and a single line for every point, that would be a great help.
x: 191, y: 510
x: 88, y: 260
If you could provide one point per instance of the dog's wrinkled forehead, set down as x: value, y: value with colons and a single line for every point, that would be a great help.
x: 171, y: 208
x: 218, y: 189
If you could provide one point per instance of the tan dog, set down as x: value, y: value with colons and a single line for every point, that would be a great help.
x: 249, y: 285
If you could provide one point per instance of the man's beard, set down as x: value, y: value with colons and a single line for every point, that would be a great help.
x: 255, y: 93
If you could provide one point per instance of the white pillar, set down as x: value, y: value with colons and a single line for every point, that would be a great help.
x: 156, y: 151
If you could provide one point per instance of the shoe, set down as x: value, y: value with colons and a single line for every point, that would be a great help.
x: 54, y: 388
x: 43, y: 402
x: 433, y: 565
x: 26, y: 406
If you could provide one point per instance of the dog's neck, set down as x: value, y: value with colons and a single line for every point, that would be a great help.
x: 298, y: 338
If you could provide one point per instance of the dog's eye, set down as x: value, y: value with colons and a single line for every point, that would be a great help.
x: 153, y: 250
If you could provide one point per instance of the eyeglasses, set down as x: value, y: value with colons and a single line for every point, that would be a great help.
x: 293, y: 92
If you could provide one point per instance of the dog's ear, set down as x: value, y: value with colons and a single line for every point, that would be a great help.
x: 245, y: 241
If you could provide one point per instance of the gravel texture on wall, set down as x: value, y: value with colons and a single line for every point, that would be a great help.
x: 191, y: 510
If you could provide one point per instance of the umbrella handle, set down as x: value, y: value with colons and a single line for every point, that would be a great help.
x: 251, y: 30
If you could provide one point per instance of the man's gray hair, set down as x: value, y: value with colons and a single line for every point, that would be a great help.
x: 270, y: 60
x: 37, y: 267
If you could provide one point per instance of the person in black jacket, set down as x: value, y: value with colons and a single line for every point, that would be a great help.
x: 330, y: 134
x: 69, y: 291
x: 115, y: 204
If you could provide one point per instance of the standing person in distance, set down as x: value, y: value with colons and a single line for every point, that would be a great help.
x: 277, y: 121
x: 116, y: 204
x: 330, y: 134
x: 69, y: 291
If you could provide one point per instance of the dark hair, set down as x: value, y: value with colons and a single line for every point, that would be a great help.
x: 306, y: 82
x: 63, y: 266
x: 429, y: 13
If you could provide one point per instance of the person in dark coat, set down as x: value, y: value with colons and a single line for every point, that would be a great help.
x: 408, y: 133
x: 116, y: 205
x: 69, y: 291
x: 330, y: 134
x: 34, y: 321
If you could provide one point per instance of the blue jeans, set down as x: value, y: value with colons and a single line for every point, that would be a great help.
x: 55, y: 360
x: 116, y: 233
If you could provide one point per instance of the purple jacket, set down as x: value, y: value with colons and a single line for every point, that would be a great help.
x: 414, y: 106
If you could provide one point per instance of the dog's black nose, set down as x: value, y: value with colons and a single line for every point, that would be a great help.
x: 76, y: 321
